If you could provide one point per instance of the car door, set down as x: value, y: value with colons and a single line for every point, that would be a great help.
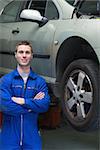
x: 7, y: 19
x: 40, y: 37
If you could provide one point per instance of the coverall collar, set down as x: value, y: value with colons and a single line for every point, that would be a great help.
x: 31, y: 74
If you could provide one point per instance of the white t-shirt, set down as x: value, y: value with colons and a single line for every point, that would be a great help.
x: 24, y: 77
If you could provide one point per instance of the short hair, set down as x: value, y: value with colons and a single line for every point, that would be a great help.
x: 24, y: 43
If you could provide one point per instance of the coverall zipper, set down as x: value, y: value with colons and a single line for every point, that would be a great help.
x: 21, y: 130
x: 21, y: 138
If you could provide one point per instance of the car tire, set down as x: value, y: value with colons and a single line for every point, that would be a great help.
x: 80, y: 94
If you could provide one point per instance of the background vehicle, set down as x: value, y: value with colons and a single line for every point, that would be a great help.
x: 66, y: 39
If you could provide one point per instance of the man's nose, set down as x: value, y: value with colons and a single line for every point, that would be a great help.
x: 24, y: 54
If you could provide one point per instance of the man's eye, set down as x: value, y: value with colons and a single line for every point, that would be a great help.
x: 21, y: 52
x: 27, y: 52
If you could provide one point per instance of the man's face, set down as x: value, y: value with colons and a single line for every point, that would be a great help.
x: 23, y: 55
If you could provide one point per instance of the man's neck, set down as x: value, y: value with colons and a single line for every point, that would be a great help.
x: 21, y: 69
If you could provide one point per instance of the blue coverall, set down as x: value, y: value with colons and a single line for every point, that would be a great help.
x: 20, y: 122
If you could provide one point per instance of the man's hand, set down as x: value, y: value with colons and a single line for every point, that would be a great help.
x: 18, y: 100
x: 40, y: 95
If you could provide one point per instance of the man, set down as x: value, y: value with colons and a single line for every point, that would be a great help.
x: 23, y: 95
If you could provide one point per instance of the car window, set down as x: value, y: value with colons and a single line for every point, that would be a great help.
x: 51, y: 11
x: 10, y: 12
x: 90, y: 7
x: 45, y: 7
x: 39, y: 5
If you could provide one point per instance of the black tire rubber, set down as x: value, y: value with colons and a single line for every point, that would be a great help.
x: 90, y: 83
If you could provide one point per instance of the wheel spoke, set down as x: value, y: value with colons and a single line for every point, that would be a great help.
x: 80, y: 110
x: 71, y: 102
x: 79, y: 114
x: 87, y: 97
x: 71, y: 85
x: 81, y: 77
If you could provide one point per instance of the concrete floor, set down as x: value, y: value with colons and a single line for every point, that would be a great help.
x: 66, y: 138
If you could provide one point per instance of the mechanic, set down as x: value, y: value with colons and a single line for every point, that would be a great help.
x: 23, y: 95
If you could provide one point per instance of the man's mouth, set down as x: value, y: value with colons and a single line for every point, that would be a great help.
x: 24, y: 60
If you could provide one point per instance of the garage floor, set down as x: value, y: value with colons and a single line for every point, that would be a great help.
x: 66, y: 138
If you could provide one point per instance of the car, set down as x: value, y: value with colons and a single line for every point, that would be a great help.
x: 65, y: 36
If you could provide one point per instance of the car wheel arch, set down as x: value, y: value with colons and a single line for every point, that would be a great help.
x: 72, y: 49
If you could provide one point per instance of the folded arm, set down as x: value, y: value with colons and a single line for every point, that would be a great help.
x: 7, y: 105
x: 39, y: 103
